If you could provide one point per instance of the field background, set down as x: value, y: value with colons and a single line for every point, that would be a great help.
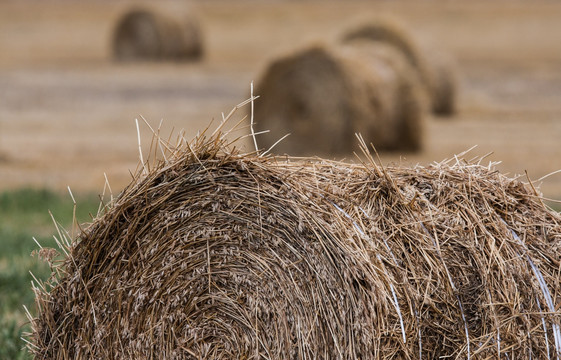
x: 67, y: 110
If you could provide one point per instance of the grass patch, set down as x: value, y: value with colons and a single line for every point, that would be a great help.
x: 24, y: 214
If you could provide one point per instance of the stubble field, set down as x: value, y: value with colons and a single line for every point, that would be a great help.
x: 67, y: 110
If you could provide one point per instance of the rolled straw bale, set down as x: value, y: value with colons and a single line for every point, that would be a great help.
x: 408, y: 101
x: 323, y: 95
x: 389, y: 31
x: 437, y: 73
x: 148, y: 35
x: 212, y: 254
x: 445, y: 92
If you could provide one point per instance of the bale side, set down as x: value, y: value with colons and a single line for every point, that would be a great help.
x: 213, y: 254
x: 304, y: 94
x: 392, y: 32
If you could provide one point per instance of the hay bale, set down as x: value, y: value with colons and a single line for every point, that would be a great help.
x: 437, y: 72
x: 148, y: 35
x: 392, y: 32
x: 445, y: 78
x: 323, y: 95
x: 403, y: 85
x: 217, y: 255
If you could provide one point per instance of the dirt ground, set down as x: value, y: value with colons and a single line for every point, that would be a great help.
x: 67, y: 110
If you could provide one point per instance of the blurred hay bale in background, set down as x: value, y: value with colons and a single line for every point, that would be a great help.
x: 143, y: 34
x: 437, y: 72
x: 402, y: 84
x: 323, y: 95
x: 215, y: 254
x: 392, y: 32
x: 446, y: 83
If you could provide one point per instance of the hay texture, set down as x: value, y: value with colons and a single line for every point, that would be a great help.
x: 212, y: 254
x: 323, y: 95
x: 143, y: 34
x: 437, y: 73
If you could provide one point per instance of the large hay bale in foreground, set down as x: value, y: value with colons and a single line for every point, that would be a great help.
x: 437, y: 73
x: 143, y: 34
x: 323, y: 95
x: 216, y: 255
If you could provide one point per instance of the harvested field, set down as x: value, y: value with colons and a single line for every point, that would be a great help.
x: 215, y: 254
x: 67, y: 110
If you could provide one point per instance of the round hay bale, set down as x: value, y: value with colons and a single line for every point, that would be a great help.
x: 392, y: 32
x: 436, y: 72
x: 445, y: 74
x: 322, y: 96
x: 389, y: 31
x: 147, y: 35
x: 409, y: 101
x: 217, y: 255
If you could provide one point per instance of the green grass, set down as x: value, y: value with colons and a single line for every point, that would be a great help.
x: 24, y: 214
